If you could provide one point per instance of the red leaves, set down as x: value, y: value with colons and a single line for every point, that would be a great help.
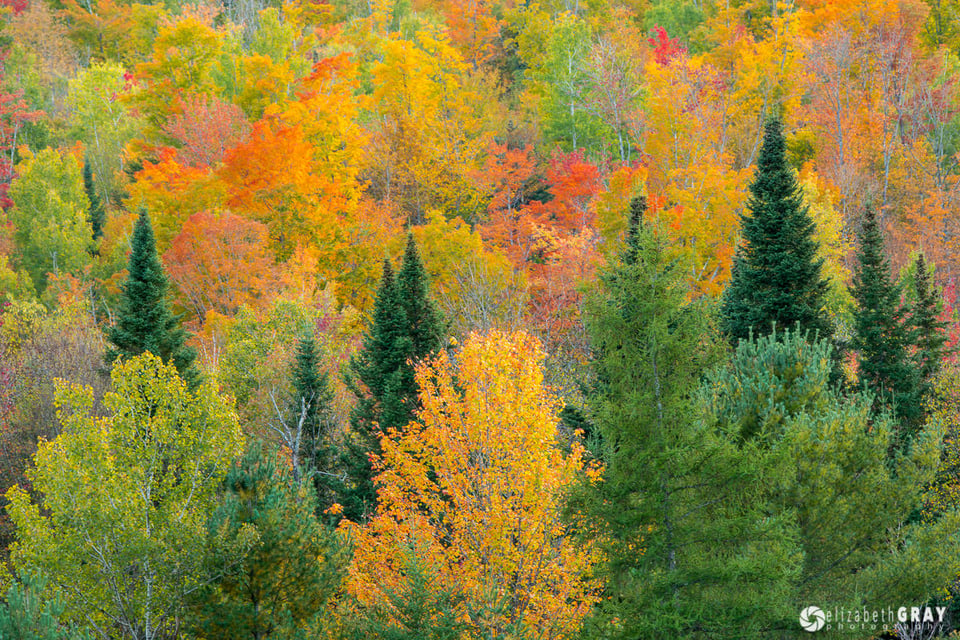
x: 665, y: 48
x: 14, y: 114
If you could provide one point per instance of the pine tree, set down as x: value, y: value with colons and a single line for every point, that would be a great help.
x: 405, y: 328
x: 930, y: 331
x: 144, y: 321
x: 310, y: 407
x: 423, y: 332
x: 689, y: 542
x: 277, y: 565
x: 776, y: 275
x: 97, y: 214
x: 881, y: 334
x: 28, y: 613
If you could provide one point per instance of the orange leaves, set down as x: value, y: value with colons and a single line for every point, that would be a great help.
x: 297, y: 172
x: 220, y: 263
x: 505, y: 177
x: 172, y: 192
x: 477, y: 479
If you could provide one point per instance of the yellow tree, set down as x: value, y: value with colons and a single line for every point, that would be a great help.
x: 476, y: 482
x: 691, y: 168
x: 430, y: 126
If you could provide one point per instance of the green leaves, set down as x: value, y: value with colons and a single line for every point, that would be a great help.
x: 126, y: 497
x: 278, y: 566
x: 49, y: 216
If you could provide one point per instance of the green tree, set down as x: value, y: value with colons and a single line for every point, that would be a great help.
x: 27, y: 615
x: 930, y: 337
x: 120, y: 523
x: 278, y: 567
x: 853, y: 505
x: 104, y: 126
x: 310, y: 407
x: 776, y: 276
x: 97, y: 214
x: 49, y: 216
x: 405, y: 328
x: 681, y: 511
x: 881, y: 332
x: 144, y: 321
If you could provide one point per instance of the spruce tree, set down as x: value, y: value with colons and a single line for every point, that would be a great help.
x: 689, y: 544
x: 405, y: 328
x: 144, y: 321
x: 881, y: 334
x: 311, y: 403
x: 776, y: 276
x: 930, y: 331
x: 97, y: 215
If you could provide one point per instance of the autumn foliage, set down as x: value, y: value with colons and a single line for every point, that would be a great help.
x: 479, y: 476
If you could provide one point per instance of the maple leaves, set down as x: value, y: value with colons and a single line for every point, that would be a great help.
x: 477, y: 480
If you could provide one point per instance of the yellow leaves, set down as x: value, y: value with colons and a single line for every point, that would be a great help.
x: 478, y: 479
x: 833, y: 247
x: 431, y: 123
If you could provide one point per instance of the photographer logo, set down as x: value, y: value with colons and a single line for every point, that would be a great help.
x: 812, y: 619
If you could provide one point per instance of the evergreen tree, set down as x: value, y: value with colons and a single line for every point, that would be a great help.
x: 405, y: 328
x: 424, y: 325
x: 28, y: 614
x: 881, y: 334
x: 311, y: 408
x: 930, y: 331
x: 97, y: 214
x: 690, y: 545
x: 277, y: 565
x: 144, y: 321
x: 829, y: 472
x: 776, y: 276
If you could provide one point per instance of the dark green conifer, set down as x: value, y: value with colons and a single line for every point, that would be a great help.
x: 311, y: 404
x: 405, y: 328
x: 276, y: 565
x: 930, y: 337
x: 97, y: 214
x: 776, y: 275
x: 881, y: 334
x: 144, y: 321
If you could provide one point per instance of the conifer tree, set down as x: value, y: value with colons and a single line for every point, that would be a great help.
x: 405, y: 328
x: 679, y: 512
x: 97, y: 214
x: 310, y: 408
x: 881, y: 335
x: 144, y: 321
x: 776, y: 276
x: 930, y: 331
x: 277, y: 565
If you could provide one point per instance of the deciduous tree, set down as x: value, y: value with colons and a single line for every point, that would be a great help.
x: 476, y: 482
x: 120, y: 526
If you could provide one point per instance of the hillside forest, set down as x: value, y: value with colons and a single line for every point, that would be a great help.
x: 479, y: 319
